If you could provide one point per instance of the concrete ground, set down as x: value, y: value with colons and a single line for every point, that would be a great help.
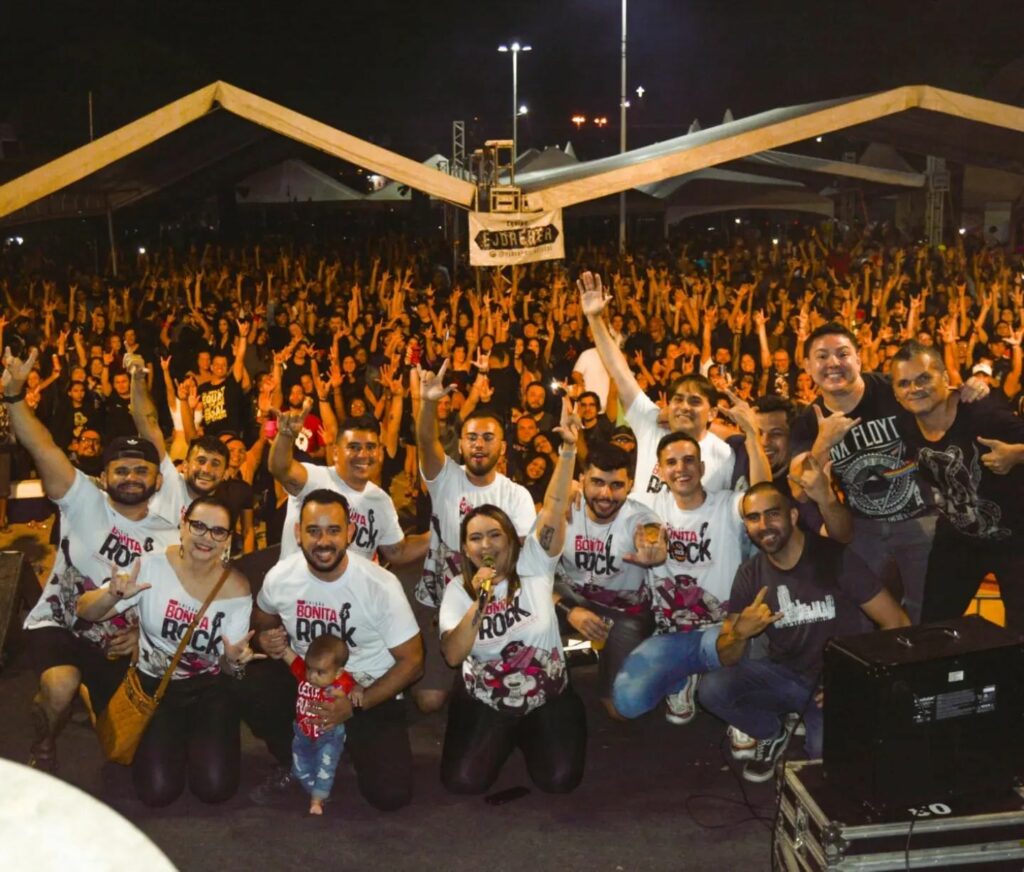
x: 654, y: 797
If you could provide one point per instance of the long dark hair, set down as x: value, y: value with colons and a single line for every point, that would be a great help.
x: 507, y: 527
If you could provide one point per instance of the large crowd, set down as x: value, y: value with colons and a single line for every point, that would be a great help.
x: 703, y: 460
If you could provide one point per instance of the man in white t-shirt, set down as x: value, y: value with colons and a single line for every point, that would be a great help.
x: 357, y: 456
x: 690, y: 590
x: 591, y: 369
x: 691, y: 403
x: 455, y: 489
x: 611, y: 540
x: 325, y: 588
x: 103, y: 525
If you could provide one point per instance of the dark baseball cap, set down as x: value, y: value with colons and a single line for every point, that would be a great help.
x: 132, y: 447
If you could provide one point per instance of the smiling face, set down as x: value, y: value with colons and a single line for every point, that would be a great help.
x: 487, y: 538
x: 833, y: 364
x: 206, y: 532
x: 130, y: 481
x: 482, y: 444
x: 680, y: 467
x: 688, y: 411
x: 920, y: 384
x: 204, y: 470
x: 323, y: 532
x: 604, y: 492
x: 769, y: 523
x: 773, y: 432
x: 357, y: 457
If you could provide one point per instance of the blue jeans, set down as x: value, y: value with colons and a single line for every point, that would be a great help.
x: 755, y: 696
x: 314, y: 761
x: 662, y: 665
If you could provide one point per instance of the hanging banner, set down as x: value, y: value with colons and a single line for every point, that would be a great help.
x: 500, y: 238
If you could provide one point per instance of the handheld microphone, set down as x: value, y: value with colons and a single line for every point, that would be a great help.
x: 485, y: 587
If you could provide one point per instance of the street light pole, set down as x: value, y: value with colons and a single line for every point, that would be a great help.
x: 622, y: 131
x: 515, y: 48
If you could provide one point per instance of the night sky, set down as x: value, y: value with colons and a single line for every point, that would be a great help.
x: 399, y: 72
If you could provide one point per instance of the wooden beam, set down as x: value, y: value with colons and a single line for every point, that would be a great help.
x: 350, y: 148
x: 87, y: 159
x: 720, y: 150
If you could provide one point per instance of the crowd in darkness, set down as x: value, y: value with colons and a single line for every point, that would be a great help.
x: 231, y: 334
x: 667, y: 452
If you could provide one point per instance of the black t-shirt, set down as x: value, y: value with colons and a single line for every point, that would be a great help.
x: 224, y: 407
x: 819, y: 598
x: 872, y: 462
x: 972, y: 501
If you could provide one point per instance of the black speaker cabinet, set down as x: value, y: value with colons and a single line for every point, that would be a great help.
x: 923, y: 714
x: 18, y: 585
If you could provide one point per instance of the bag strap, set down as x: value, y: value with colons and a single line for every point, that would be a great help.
x: 183, y: 644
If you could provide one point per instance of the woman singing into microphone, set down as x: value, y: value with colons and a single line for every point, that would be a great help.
x: 500, y: 625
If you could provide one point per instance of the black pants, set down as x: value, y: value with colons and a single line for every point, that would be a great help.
x: 478, y: 740
x: 377, y: 739
x: 55, y: 646
x: 626, y: 633
x: 193, y: 737
x: 957, y: 565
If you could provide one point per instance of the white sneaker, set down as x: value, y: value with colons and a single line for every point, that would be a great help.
x: 741, y: 745
x: 681, y: 707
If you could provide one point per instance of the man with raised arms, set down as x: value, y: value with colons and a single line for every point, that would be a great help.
x: 691, y: 399
x: 105, y: 526
x: 455, y: 489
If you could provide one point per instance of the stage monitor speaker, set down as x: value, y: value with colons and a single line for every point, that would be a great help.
x: 18, y: 585
x: 922, y: 714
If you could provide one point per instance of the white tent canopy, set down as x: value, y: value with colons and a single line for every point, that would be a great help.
x: 293, y: 181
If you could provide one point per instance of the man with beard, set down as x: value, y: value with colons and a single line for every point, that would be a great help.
x: 100, y: 532
x: 535, y: 400
x: 609, y: 542
x: 691, y: 398
x: 205, y: 465
x: 969, y: 457
x: 326, y: 588
x: 455, y: 489
x: 87, y: 452
x: 855, y: 425
x: 357, y: 456
x: 800, y: 590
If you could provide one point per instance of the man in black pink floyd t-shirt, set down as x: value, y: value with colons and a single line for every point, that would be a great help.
x: 970, y: 459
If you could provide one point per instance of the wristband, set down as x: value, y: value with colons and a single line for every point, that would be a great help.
x: 16, y: 398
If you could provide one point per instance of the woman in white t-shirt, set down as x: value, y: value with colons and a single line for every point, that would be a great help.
x: 499, y: 625
x: 194, y: 735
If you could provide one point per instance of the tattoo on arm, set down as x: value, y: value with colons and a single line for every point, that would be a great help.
x: 546, y: 536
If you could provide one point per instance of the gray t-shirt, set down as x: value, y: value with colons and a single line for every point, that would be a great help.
x: 819, y: 598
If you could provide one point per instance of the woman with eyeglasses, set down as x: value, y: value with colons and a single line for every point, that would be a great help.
x: 193, y: 737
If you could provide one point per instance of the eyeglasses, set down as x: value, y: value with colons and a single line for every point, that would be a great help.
x: 198, y: 528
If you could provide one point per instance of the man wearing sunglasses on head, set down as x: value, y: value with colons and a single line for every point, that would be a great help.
x: 106, y: 525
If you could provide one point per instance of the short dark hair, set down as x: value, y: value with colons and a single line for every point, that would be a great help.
x: 358, y: 422
x: 912, y: 348
x: 325, y: 496
x: 672, y: 438
x: 608, y: 458
x: 211, y: 444
x: 214, y: 502
x: 484, y: 415
x: 764, y: 487
x: 593, y: 395
x: 774, y: 403
x: 701, y: 384
x: 833, y: 328
x: 327, y: 646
